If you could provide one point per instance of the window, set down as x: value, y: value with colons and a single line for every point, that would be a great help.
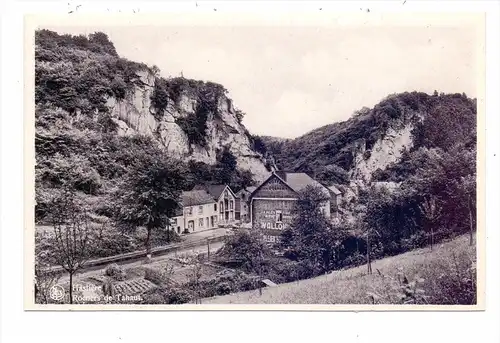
x: 215, y: 207
x: 189, y: 211
x: 200, y: 209
x: 231, y: 205
x: 200, y: 222
x: 178, y: 229
x: 221, y: 207
x: 207, y: 220
x: 279, y: 216
x: 243, y: 197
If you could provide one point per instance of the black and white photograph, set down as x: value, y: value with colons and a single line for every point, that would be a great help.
x: 328, y: 163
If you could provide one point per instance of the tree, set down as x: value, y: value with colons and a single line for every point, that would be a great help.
x: 258, y: 144
x: 246, y: 247
x: 194, y: 276
x: 369, y: 233
x: 333, y: 173
x: 226, y: 166
x: 249, y: 249
x: 71, y: 241
x: 100, y: 41
x: 239, y: 115
x: 467, y: 187
x: 310, y: 237
x: 149, y: 194
x: 431, y: 210
x: 45, y: 277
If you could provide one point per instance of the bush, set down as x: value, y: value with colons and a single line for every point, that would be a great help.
x: 247, y: 283
x: 354, y: 260
x: 457, y: 281
x: 415, y: 241
x: 159, y: 98
x: 112, y: 243
x: 154, y: 296
x: 163, y: 237
x: 195, y: 126
x: 223, y: 288
x: 155, y: 276
x: 177, y: 296
x: 116, y: 272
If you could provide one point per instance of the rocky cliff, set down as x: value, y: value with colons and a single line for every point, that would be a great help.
x: 353, y: 151
x: 385, y: 151
x: 135, y: 113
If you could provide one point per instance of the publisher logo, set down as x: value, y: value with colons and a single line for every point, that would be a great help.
x: 56, y: 293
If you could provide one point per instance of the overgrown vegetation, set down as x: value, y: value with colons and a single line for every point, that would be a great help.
x: 76, y: 143
x: 79, y: 73
x: 444, y: 276
x: 447, y: 118
x: 206, y: 95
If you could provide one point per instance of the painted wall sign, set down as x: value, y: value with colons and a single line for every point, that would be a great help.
x: 271, y: 238
x: 273, y: 226
x: 269, y: 214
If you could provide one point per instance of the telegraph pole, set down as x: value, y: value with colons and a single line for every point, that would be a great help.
x: 208, y: 248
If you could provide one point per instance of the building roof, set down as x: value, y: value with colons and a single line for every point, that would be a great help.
x: 248, y: 190
x: 299, y: 181
x: 214, y: 190
x: 334, y: 190
x: 196, y: 197
x: 296, y: 182
x: 251, y: 189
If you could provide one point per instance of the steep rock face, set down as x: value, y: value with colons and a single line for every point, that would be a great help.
x: 136, y: 114
x: 385, y: 151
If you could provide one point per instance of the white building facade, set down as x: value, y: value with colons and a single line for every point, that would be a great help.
x: 205, y: 208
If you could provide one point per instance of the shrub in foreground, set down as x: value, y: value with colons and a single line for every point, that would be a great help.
x: 115, y: 272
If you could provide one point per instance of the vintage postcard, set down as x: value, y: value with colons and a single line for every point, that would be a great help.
x: 228, y: 161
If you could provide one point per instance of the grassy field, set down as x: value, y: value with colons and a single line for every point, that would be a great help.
x: 446, y: 275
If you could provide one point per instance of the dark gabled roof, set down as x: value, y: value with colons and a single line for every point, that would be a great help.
x: 196, y: 197
x: 297, y: 182
x: 214, y: 190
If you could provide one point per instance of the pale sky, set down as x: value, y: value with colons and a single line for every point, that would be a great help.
x: 290, y: 80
